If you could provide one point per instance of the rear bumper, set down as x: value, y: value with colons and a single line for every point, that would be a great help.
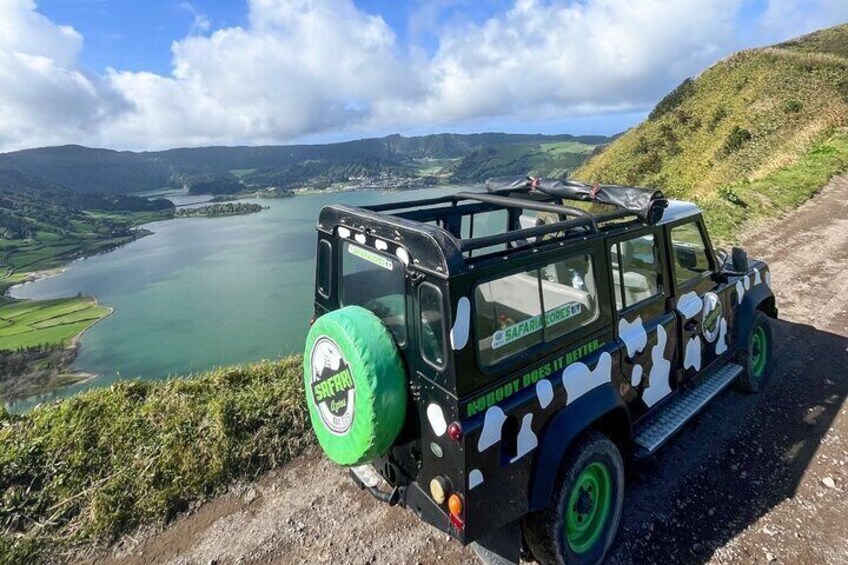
x: 415, y: 500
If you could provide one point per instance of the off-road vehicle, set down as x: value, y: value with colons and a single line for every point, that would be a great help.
x: 485, y: 359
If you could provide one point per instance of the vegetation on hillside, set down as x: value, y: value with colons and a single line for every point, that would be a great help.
x: 750, y: 137
x: 100, y: 170
x: 98, y: 465
x: 215, y: 210
x: 545, y: 159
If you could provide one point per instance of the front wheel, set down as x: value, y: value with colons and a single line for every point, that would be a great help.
x: 581, y: 522
x: 756, y: 358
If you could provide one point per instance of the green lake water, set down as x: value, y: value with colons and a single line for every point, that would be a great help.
x: 203, y: 292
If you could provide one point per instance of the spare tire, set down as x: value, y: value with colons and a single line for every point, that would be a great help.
x: 355, y: 385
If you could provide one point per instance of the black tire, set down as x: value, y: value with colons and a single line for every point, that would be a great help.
x: 545, y: 530
x: 755, y: 376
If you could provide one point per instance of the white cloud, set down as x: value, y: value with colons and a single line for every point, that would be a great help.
x: 575, y: 57
x: 312, y: 68
x: 46, y: 97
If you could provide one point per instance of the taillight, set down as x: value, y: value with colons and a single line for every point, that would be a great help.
x: 455, y: 508
x: 455, y: 431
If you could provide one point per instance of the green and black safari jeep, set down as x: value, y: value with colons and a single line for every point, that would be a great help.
x: 485, y: 359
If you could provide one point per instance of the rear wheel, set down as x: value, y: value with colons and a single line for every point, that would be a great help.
x: 756, y: 358
x: 582, y: 519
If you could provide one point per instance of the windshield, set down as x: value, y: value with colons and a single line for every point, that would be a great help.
x: 376, y: 282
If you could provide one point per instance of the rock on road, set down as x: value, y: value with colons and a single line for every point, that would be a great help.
x: 753, y: 479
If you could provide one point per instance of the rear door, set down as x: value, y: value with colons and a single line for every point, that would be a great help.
x: 645, y: 329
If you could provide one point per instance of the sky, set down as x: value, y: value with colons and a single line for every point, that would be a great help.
x: 157, y: 74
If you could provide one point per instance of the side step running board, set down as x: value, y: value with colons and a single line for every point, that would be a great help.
x: 679, y: 409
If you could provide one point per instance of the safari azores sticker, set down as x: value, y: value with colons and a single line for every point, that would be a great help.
x: 711, y: 316
x: 333, y: 389
x: 370, y: 256
x: 511, y: 331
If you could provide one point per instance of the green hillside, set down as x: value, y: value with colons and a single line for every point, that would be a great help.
x: 752, y: 136
x: 83, y: 169
x: 551, y: 159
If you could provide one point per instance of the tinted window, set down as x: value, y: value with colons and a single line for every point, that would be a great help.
x: 690, y: 255
x: 432, y: 328
x: 376, y: 282
x: 508, y: 311
x: 325, y: 255
x: 635, y: 270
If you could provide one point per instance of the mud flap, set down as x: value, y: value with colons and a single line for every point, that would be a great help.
x: 501, y: 547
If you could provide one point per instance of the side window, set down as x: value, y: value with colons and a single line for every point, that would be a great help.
x: 519, y: 311
x: 635, y: 270
x: 569, y: 295
x: 690, y: 253
x: 432, y: 340
x: 325, y: 267
x: 508, y: 313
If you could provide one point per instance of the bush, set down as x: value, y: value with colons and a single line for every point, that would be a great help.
x: 718, y: 116
x: 792, y: 106
x: 737, y: 138
x: 99, y: 464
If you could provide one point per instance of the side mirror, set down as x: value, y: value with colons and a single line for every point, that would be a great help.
x: 740, y: 260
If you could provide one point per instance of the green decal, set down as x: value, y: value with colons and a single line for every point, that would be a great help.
x: 530, y: 378
x: 526, y: 327
x: 371, y: 257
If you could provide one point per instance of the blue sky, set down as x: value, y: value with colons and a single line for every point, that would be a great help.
x: 162, y: 73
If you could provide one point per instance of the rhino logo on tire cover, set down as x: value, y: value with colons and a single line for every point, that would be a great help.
x: 333, y: 389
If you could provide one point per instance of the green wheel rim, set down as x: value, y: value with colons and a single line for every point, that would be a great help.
x: 759, y: 352
x: 588, y: 507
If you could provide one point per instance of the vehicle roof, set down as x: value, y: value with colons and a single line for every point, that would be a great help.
x: 679, y: 210
x: 434, y: 248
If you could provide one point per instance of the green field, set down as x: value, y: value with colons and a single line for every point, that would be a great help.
x: 29, y: 323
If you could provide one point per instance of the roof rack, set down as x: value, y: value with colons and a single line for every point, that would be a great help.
x: 448, y: 211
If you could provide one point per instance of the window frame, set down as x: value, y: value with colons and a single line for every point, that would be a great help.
x: 658, y: 263
x: 506, y: 364
x: 419, y: 326
x: 672, y: 258
x: 324, y: 245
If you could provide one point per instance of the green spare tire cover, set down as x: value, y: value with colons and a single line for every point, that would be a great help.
x: 355, y: 385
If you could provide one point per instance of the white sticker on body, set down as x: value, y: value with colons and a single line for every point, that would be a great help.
x: 658, y: 383
x: 545, y: 393
x: 689, y: 304
x: 527, y: 440
x: 475, y: 478
x: 721, y: 343
x: 633, y: 335
x: 459, y: 331
x: 578, y: 379
x: 492, y: 424
x: 692, y: 357
x: 437, y: 419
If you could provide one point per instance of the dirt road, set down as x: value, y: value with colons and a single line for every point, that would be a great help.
x: 753, y: 479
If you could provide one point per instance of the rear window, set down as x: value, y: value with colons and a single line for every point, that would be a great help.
x: 520, y: 311
x: 376, y: 282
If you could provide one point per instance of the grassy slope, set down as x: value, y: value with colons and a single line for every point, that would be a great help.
x: 47, y: 322
x: 101, y: 463
x: 752, y: 136
x: 553, y: 159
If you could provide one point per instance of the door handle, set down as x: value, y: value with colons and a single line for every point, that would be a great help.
x: 691, y: 325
